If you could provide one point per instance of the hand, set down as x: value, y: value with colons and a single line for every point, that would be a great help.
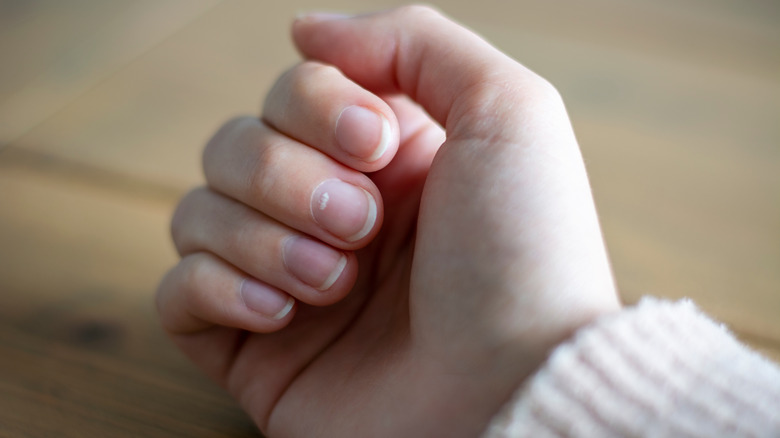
x: 344, y: 273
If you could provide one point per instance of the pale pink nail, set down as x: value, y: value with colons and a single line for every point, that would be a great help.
x: 343, y: 209
x: 363, y: 133
x: 313, y: 263
x: 266, y: 300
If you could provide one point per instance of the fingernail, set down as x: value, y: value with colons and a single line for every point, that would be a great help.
x: 313, y: 263
x: 347, y: 211
x: 363, y: 133
x: 314, y: 17
x: 265, y: 300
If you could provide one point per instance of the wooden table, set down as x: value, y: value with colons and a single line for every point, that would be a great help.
x: 104, y: 108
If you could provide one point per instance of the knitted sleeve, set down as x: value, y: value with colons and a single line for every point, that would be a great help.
x: 660, y: 369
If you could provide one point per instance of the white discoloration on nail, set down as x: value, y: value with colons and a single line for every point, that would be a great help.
x: 334, y: 275
x: 370, y: 220
x: 287, y: 307
x: 324, y: 201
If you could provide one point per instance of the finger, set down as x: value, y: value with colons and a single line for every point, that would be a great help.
x: 420, y: 139
x: 293, y: 183
x: 403, y: 179
x: 414, y: 121
x: 315, y: 104
x: 309, y: 270
x: 203, y: 291
x: 510, y: 154
x: 414, y: 50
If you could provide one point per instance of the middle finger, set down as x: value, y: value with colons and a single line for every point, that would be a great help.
x: 293, y: 183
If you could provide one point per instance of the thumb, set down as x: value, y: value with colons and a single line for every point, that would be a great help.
x: 416, y: 51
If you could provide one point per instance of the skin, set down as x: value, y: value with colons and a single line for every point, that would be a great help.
x: 485, y: 253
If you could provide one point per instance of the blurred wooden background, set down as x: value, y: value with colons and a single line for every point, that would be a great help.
x: 105, y: 106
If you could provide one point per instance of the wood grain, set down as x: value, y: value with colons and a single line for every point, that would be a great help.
x: 56, y: 51
x: 104, y: 108
x: 79, y: 340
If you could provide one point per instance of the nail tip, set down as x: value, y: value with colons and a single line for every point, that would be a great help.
x: 334, y: 275
x: 384, y: 141
x: 316, y: 17
x: 370, y: 219
x: 285, y: 310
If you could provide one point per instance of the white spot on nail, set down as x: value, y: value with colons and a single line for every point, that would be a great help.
x: 324, y: 200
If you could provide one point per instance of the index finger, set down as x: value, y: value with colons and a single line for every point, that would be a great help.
x: 453, y: 73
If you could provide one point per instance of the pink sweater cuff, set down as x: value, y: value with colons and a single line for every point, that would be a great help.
x: 659, y: 369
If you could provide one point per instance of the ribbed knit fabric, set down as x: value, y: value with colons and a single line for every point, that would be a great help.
x: 660, y: 369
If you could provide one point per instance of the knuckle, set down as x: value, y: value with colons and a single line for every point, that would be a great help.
x: 223, y: 146
x: 418, y: 11
x: 226, y: 134
x: 543, y: 91
x: 179, y: 286
x: 194, y: 272
x: 526, y: 91
x: 181, y: 218
x: 163, y: 293
x: 263, y: 180
x: 509, y: 101
x: 240, y: 243
x: 305, y: 78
